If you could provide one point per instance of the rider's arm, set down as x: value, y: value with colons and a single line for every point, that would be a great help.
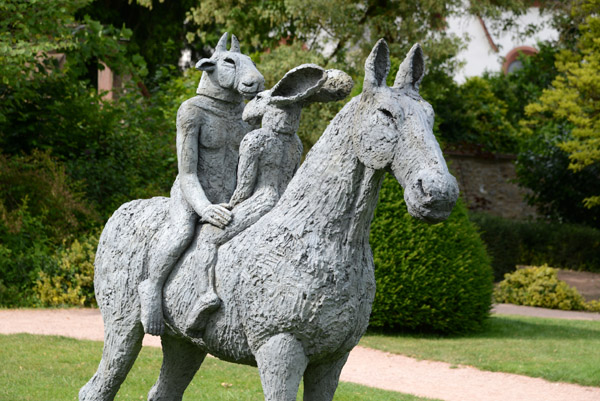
x: 247, y: 168
x: 189, y: 125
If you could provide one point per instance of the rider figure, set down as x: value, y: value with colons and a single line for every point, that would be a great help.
x: 269, y: 158
x: 209, y: 132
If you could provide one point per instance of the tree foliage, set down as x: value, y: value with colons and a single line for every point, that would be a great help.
x: 114, y: 150
x: 158, y: 32
x: 68, y: 159
x: 574, y: 98
x: 345, y: 29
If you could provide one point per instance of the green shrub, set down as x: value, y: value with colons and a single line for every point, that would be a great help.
x: 25, y: 250
x: 479, y: 117
x: 540, y: 286
x: 41, y: 183
x: 40, y: 209
x: 429, y: 277
x: 511, y: 243
x: 72, y: 282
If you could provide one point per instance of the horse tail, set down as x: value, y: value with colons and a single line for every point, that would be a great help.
x: 121, y: 258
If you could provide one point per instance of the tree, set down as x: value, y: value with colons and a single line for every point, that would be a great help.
x: 345, y: 29
x: 573, y: 102
x: 67, y: 158
x: 114, y: 150
x: 158, y: 32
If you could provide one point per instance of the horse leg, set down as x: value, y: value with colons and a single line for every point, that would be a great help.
x: 181, y: 361
x: 281, y: 363
x: 122, y: 344
x: 321, y: 381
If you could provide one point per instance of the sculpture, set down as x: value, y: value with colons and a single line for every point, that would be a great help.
x: 269, y: 158
x: 297, y: 286
x: 209, y: 132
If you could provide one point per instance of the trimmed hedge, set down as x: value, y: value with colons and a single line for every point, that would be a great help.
x: 511, y: 243
x: 433, y: 278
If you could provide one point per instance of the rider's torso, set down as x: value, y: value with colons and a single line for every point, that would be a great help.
x: 218, y: 147
x: 278, y: 160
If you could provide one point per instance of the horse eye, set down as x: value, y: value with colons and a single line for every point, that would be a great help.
x: 230, y: 61
x: 387, y: 113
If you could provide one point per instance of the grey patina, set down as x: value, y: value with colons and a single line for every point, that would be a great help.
x: 297, y: 286
x: 269, y: 158
x: 209, y: 132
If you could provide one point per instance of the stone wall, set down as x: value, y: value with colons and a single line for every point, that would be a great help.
x: 487, y: 184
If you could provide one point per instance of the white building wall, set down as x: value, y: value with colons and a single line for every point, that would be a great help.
x: 480, y: 56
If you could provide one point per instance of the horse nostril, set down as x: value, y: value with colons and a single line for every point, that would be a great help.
x: 420, y: 187
x: 249, y: 85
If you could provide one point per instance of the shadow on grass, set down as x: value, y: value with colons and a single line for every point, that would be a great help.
x: 509, y: 327
x: 53, y: 368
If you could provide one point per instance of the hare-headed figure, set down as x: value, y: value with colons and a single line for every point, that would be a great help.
x: 269, y: 158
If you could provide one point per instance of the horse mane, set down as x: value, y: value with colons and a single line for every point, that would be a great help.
x: 326, y: 164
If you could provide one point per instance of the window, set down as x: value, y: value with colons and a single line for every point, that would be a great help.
x: 512, y: 62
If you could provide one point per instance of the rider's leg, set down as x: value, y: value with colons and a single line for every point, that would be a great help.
x: 204, y: 257
x: 172, y: 239
x: 209, y: 239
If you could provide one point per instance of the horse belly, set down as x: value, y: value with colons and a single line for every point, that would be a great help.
x: 324, y: 301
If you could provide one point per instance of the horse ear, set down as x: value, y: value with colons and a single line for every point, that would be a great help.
x: 222, y: 44
x: 411, y: 70
x: 298, y: 84
x: 235, y: 44
x: 206, y: 64
x: 377, y: 66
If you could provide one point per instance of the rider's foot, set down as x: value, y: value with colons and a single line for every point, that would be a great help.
x: 207, y: 303
x: 151, y: 308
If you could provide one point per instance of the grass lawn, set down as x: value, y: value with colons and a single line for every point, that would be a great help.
x: 553, y: 349
x: 49, y: 368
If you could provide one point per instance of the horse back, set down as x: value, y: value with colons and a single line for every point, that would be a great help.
x: 122, y: 255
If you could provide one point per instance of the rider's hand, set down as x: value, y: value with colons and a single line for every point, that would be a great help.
x: 217, y: 215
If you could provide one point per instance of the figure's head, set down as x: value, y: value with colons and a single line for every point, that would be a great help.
x: 393, y: 130
x: 280, y: 107
x: 229, y: 72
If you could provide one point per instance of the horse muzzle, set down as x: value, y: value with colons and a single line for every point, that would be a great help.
x: 431, y: 196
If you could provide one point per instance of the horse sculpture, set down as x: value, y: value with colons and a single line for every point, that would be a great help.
x: 298, y: 285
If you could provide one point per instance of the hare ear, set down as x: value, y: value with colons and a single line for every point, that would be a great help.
x: 337, y: 86
x: 377, y: 66
x: 411, y: 70
x: 298, y: 84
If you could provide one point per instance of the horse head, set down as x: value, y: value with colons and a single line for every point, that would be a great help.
x: 393, y: 130
x: 228, y: 74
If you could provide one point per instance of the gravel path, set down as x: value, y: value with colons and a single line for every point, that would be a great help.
x: 365, y: 366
